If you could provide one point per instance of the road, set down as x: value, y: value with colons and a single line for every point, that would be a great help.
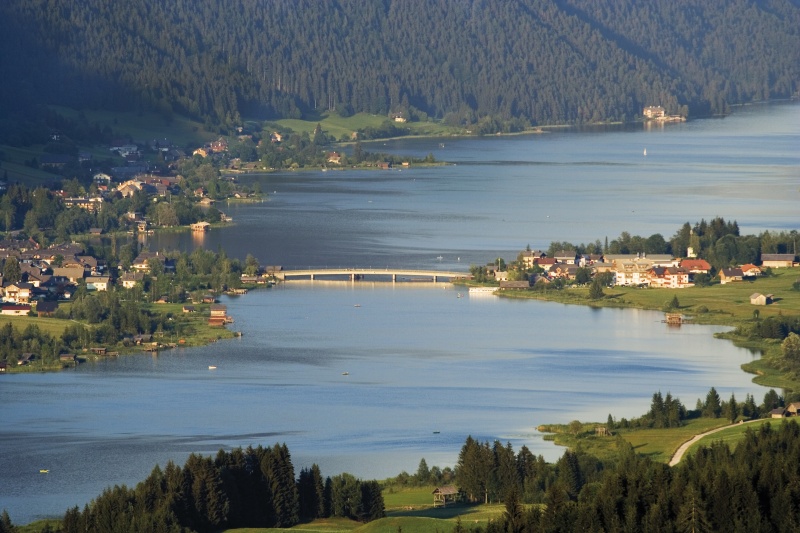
x: 686, y: 445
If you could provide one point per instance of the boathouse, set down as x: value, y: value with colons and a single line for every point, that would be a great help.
x: 219, y: 315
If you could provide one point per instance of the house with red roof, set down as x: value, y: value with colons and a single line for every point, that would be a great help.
x: 696, y: 266
x: 750, y: 270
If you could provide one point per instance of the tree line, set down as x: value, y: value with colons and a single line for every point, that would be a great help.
x: 750, y: 488
x: 484, y: 65
x: 718, y: 241
x: 250, y: 488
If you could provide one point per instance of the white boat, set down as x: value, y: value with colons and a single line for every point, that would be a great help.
x: 645, y: 152
x: 44, y: 471
x: 484, y: 290
x: 212, y: 367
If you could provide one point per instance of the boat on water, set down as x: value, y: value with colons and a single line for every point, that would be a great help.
x: 486, y: 290
x: 357, y: 305
x: 44, y: 471
x: 345, y: 373
x: 645, y: 152
x: 212, y: 367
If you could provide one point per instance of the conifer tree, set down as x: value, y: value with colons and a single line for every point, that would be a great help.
x: 692, y: 516
x: 712, y: 407
x: 5, y: 523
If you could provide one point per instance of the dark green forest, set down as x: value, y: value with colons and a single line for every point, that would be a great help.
x: 473, y: 63
x: 255, y: 487
x: 753, y: 488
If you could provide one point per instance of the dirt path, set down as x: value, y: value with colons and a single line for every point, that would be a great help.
x: 686, y: 445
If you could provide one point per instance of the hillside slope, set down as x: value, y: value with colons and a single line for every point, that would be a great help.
x: 538, y: 61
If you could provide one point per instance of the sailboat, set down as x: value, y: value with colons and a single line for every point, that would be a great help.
x: 645, y: 152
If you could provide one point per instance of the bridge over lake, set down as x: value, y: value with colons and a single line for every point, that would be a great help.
x: 373, y: 274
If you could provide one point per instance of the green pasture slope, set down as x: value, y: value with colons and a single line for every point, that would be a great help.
x: 145, y: 126
x: 407, y: 509
x: 340, y: 127
x: 657, y: 444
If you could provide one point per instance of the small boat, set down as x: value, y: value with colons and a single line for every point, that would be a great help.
x: 436, y: 432
x: 440, y: 258
x: 645, y: 152
x: 357, y: 305
x: 345, y: 373
x: 44, y: 471
x: 212, y: 367
x: 459, y: 295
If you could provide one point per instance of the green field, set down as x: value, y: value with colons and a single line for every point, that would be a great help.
x: 730, y: 436
x: 407, y: 509
x: 661, y: 444
x: 727, y: 305
x: 339, y: 127
x: 657, y: 444
x: 144, y: 127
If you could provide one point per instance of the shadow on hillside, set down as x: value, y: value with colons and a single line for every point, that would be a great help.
x: 451, y: 511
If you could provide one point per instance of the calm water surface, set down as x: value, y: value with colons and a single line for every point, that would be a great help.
x: 419, y: 359
x: 504, y: 193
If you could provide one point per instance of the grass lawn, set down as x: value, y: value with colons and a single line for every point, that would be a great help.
x: 661, y: 444
x: 325, y: 525
x: 340, y: 127
x: 731, y: 436
x: 425, y: 521
x: 145, y: 127
x: 727, y: 304
x: 14, y: 164
x: 658, y: 444
x: 51, y: 326
x: 399, y: 499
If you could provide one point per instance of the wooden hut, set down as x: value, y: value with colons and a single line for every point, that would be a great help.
x: 444, y: 495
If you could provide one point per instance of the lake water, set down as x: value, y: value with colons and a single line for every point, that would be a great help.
x: 424, y: 367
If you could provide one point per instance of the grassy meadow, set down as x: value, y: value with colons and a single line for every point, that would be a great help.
x: 341, y: 127
x: 408, y: 509
x: 730, y: 436
x: 657, y: 444
x: 725, y: 305
x: 144, y: 127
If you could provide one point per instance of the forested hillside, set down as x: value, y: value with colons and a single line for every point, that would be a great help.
x: 468, y: 62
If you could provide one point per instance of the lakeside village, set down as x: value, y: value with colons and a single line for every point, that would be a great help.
x: 627, y: 270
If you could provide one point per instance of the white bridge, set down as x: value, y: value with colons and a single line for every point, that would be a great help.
x: 375, y: 274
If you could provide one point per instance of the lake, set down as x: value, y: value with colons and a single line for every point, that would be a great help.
x: 369, y: 378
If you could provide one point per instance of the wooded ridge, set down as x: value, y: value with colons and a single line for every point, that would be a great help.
x: 498, y: 65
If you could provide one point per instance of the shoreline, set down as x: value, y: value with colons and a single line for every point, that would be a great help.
x: 763, y: 369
